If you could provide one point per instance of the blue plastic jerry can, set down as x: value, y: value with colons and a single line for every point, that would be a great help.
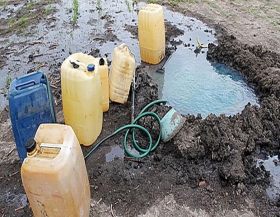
x: 30, y: 104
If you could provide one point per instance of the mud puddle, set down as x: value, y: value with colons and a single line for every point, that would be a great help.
x: 194, y: 85
x: 99, y: 29
x: 12, y: 199
x: 191, y: 83
x: 272, y: 164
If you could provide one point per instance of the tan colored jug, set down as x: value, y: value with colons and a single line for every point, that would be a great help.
x: 151, y: 33
x: 82, y: 97
x: 121, y: 74
x: 103, y: 70
x: 54, y: 173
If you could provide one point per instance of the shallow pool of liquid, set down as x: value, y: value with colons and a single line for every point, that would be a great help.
x: 192, y: 85
x: 11, y: 199
x: 272, y: 165
x: 119, y: 152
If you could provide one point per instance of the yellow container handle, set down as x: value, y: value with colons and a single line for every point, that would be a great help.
x: 78, y: 63
x: 126, y: 49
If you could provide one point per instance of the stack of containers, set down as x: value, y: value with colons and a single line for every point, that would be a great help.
x: 54, y: 173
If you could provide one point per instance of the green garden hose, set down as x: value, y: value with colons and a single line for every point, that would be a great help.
x: 130, y: 129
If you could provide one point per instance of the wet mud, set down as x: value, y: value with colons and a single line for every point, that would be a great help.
x: 211, y: 160
x: 209, y: 165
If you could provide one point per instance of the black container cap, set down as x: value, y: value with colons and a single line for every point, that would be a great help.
x: 43, y: 79
x: 90, y: 67
x: 101, y: 62
x: 30, y: 145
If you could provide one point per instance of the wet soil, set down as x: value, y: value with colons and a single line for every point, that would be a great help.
x: 207, y: 169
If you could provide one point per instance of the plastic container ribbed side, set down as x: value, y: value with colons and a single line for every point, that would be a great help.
x: 151, y: 33
x: 104, y: 74
x: 81, y: 96
x: 54, y: 175
x: 121, y: 74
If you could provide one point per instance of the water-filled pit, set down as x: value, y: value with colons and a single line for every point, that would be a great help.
x: 199, y: 86
x: 272, y: 164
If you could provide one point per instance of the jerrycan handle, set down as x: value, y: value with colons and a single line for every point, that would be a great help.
x: 50, y: 145
x: 76, y: 64
x: 126, y: 48
x: 25, y: 85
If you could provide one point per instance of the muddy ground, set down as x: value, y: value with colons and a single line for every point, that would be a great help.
x: 209, y: 167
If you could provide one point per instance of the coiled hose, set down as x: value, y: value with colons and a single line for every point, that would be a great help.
x: 130, y: 129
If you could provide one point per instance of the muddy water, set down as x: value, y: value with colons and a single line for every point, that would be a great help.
x: 203, y: 87
x: 103, y: 28
x: 13, y: 199
x: 192, y: 84
x: 272, y: 165
x: 54, y: 39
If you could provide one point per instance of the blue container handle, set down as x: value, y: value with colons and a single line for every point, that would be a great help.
x: 25, y: 85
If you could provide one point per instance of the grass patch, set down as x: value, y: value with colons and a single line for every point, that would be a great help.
x: 8, y: 81
x: 212, y: 4
x: 277, y: 26
x: 48, y: 9
x: 176, y: 2
x: 254, y: 11
x: 99, y: 5
x: 128, y: 5
x: 11, y: 21
x: 75, y: 18
x: 236, y: 21
x: 75, y: 9
x: 153, y: 1
x: 22, y: 20
x: 29, y: 6
x: 5, y: 5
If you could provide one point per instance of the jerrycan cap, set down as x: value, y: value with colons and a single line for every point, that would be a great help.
x: 101, y: 62
x: 91, y: 67
x: 30, y: 145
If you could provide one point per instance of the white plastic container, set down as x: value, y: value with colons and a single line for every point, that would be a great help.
x: 151, y: 33
x: 81, y: 96
x: 54, y: 174
x: 121, y: 74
